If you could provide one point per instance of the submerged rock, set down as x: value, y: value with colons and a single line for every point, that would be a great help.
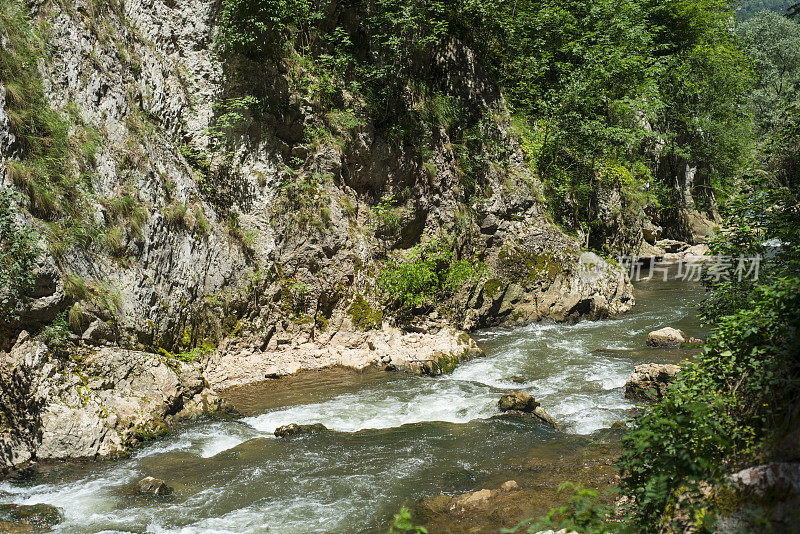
x: 649, y: 381
x: 460, y: 503
x: 522, y: 404
x: 153, y: 486
x: 666, y: 337
x: 40, y: 516
x: 293, y: 429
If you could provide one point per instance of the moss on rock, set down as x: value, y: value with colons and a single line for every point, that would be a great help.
x: 363, y: 315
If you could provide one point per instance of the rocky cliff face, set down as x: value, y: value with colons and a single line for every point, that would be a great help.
x: 230, y: 208
x: 99, y: 402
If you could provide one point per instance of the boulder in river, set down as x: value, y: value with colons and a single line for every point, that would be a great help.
x: 153, y: 486
x: 522, y: 404
x: 39, y: 516
x: 518, y: 400
x: 649, y: 381
x: 293, y: 429
x: 671, y: 245
x: 666, y: 337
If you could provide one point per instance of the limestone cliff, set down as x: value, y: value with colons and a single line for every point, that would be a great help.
x: 223, y: 209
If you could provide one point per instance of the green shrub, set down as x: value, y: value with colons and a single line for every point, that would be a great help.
x: 385, y: 217
x: 402, y: 524
x: 56, y: 334
x: 363, y: 315
x: 258, y: 29
x: 428, y: 273
x: 175, y: 214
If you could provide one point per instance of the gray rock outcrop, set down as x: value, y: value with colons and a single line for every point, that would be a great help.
x: 110, y: 400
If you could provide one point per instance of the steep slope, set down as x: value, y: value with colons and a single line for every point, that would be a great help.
x: 243, y: 211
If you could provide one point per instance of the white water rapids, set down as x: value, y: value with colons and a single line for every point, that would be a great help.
x: 399, y: 437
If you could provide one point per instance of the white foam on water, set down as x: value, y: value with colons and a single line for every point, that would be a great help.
x: 387, y: 406
x: 204, y: 441
x: 579, y: 386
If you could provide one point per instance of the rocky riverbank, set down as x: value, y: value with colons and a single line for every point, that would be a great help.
x: 99, y: 403
x: 427, y: 353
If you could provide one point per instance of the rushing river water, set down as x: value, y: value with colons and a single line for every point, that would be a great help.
x: 396, y: 438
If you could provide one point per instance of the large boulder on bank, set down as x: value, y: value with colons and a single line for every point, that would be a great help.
x: 153, y: 486
x: 522, y: 404
x: 293, y: 429
x: 649, y: 381
x: 102, y: 402
x: 666, y: 337
x: 16, y: 517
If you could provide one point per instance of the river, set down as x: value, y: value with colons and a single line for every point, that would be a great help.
x: 395, y: 438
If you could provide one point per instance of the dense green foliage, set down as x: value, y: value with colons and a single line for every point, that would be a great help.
x: 738, y: 397
x: 773, y: 41
x: 605, y: 94
x: 748, y: 8
x: 428, y: 273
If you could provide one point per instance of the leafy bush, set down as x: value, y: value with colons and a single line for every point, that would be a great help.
x: 428, y: 273
x: 56, y: 334
x: 258, y: 28
x: 402, y: 524
x: 385, y: 217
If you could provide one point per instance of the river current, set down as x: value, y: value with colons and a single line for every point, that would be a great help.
x: 394, y: 438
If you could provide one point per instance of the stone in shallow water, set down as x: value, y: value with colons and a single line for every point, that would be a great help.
x: 153, y: 486
x: 518, y: 400
x: 41, y: 516
x: 522, y: 404
x: 666, y: 337
x: 293, y: 429
x: 648, y: 382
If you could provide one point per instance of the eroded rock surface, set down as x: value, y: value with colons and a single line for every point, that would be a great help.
x: 649, y: 381
x: 103, y: 403
x: 389, y: 348
x: 522, y: 404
